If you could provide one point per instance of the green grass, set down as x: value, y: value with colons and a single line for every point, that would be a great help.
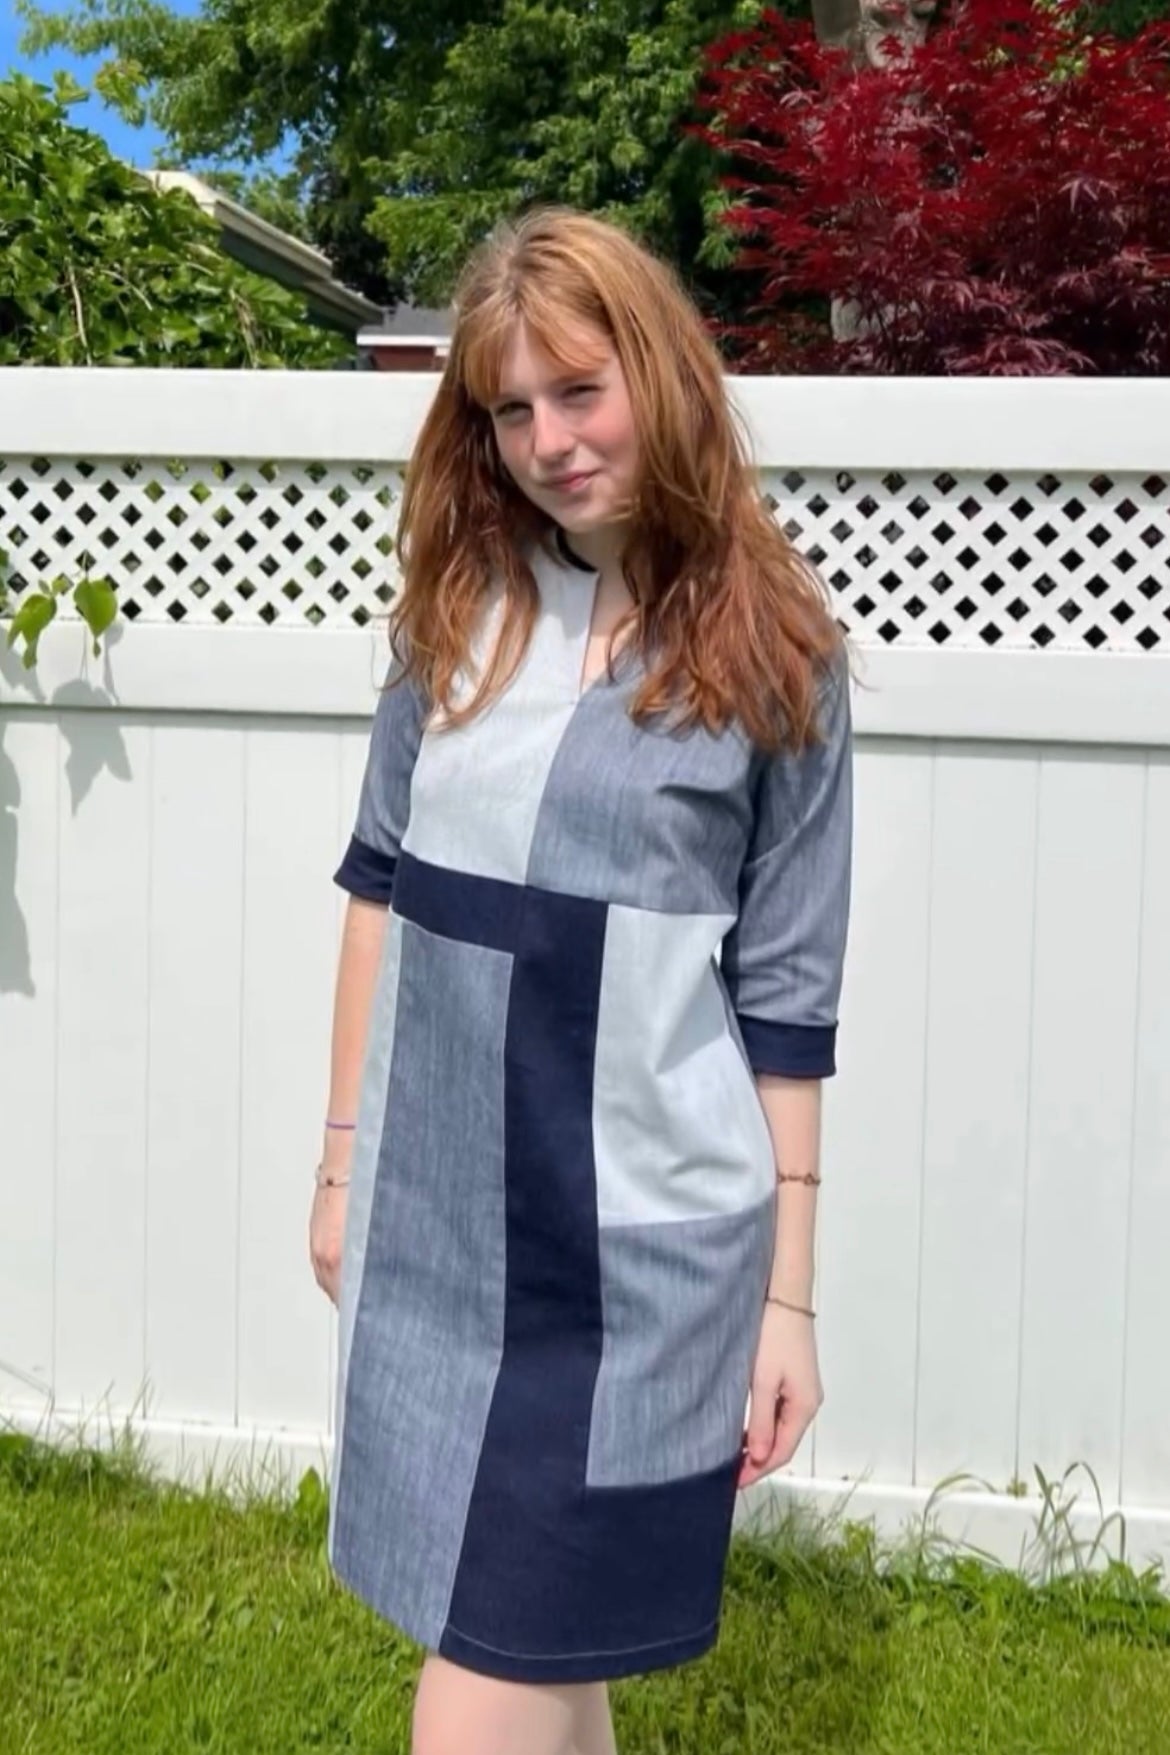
x: 138, y: 1616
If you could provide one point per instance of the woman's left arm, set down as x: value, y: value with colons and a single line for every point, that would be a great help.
x: 786, y: 1383
x: 783, y: 963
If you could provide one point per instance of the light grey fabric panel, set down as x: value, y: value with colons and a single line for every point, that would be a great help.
x: 429, y: 1326
x: 457, y: 820
x: 682, y: 1306
x: 645, y: 816
x: 678, y: 1128
x: 783, y: 961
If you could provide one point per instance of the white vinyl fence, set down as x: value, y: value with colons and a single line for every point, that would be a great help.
x: 994, y: 1224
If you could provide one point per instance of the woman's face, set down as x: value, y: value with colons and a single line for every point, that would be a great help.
x: 550, y: 425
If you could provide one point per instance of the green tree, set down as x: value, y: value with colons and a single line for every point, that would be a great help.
x: 97, y: 267
x: 415, y: 127
x: 1123, y: 17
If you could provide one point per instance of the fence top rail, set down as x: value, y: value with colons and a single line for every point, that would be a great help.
x: 1109, y: 425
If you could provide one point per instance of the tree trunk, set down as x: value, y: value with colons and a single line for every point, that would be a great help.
x: 861, y: 27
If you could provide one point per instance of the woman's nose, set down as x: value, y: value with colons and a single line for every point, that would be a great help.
x: 550, y: 435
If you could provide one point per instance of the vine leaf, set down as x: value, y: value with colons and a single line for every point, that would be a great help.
x: 29, y: 621
x: 97, y: 605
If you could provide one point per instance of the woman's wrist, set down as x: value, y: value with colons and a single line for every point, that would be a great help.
x: 336, y: 1146
x: 793, y: 1275
x: 794, y: 1287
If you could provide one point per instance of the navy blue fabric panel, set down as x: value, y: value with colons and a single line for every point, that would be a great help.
x: 799, y: 1051
x: 366, y: 872
x: 532, y: 1463
x: 638, y: 1570
x: 635, y: 1586
x: 456, y: 904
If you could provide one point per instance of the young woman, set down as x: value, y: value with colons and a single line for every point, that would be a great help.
x: 587, y: 994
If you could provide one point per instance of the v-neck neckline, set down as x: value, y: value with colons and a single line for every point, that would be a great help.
x: 569, y: 555
x: 571, y: 559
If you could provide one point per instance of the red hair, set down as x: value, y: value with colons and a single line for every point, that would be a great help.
x: 731, y: 621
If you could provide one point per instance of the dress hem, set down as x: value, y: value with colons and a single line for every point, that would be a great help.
x: 587, y: 1666
x: 526, y: 1666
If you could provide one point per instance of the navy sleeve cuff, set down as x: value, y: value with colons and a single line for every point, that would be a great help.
x: 796, y: 1051
x: 365, y: 872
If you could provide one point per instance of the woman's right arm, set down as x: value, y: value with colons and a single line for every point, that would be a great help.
x: 367, y: 873
x: 362, y: 935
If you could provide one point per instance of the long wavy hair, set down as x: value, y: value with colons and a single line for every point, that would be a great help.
x: 731, y: 621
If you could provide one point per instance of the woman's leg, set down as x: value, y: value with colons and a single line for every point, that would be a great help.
x: 592, y: 1724
x: 460, y: 1712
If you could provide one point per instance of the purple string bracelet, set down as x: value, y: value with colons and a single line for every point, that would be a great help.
x: 344, y: 1126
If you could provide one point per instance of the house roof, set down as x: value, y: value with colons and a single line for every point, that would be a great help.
x: 410, y: 326
x: 275, y: 253
x: 279, y: 256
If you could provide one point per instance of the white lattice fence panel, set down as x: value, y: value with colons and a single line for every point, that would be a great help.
x: 980, y: 559
x: 207, y: 540
x: 923, y: 558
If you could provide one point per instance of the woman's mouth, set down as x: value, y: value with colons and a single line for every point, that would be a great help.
x: 573, y: 484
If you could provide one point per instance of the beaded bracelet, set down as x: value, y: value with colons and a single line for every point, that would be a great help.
x: 324, y: 1180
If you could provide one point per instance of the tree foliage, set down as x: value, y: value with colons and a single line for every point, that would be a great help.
x: 993, y: 204
x: 414, y: 127
x: 1122, y: 18
x: 97, y: 267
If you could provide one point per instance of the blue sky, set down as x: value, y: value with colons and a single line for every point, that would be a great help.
x: 133, y: 144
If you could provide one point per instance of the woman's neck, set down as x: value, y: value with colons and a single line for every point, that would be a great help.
x: 599, y: 549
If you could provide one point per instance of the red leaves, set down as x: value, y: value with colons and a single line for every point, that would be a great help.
x: 997, y: 203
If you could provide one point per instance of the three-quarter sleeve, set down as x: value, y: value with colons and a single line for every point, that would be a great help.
x: 782, y: 960
x: 367, y: 869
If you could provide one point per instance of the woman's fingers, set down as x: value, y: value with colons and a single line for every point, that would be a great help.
x: 761, y: 1432
x: 326, y: 1235
x: 795, y: 1420
x: 785, y: 1391
x: 770, y: 1445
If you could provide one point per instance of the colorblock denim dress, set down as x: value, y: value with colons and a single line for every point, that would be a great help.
x: 560, y: 1221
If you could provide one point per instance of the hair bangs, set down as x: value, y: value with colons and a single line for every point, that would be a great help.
x: 541, y: 305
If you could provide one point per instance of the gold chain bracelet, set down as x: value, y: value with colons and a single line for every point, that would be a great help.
x: 803, y: 1309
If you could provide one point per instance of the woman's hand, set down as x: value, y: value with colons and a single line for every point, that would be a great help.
x: 785, y: 1372
x: 326, y: 1236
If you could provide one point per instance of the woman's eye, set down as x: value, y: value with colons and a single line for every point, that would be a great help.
x: 574, y: 390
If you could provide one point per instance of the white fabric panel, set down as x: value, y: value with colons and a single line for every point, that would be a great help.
x: 678, y: 1128
x: 487, y: 832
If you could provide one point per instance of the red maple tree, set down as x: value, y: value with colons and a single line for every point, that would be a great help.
x: 997, y: 202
